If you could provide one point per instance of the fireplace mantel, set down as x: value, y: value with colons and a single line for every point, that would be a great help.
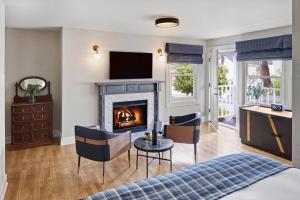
x: 117, y: 87
x: 123, y: 87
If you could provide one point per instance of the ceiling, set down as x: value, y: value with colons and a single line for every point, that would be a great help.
x: 200, y: 19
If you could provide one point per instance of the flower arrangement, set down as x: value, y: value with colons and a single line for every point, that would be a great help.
x: 255, y: 91
x: 32, y: 91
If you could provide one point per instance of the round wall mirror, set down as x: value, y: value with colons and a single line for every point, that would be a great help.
x: 33, y: 80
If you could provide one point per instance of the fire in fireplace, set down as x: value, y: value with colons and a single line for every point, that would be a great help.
x: 130, y: 115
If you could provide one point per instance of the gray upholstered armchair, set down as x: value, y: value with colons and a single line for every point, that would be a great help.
x: 99, y: 145
x: 184, y: 129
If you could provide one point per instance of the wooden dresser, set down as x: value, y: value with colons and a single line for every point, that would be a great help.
x: 267, y: 130
x: 31, y: 123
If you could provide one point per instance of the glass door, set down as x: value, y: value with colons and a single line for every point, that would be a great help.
x: 222, y: 88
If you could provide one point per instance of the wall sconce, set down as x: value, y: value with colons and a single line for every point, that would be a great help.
x: 160, y: 53
x: 96, y: 50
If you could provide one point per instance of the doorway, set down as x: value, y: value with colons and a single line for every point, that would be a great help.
x: 223, y: 87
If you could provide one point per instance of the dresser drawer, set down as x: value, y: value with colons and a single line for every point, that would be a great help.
x: 40, y: 116
x: 41, y: 108
x: 21, y: 127
x: 21, y: 109
x: 31, y: 124
x: 40, y: 135
x: 21, y: 117
x: 21, y: 137
x: 40, y: 124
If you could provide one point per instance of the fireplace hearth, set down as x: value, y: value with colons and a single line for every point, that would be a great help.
x: 130, y: 115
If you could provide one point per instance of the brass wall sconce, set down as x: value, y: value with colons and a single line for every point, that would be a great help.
x: 96, y: 49
x: 159, y: 51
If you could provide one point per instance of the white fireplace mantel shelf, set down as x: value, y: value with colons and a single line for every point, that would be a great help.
x: 126, y: 82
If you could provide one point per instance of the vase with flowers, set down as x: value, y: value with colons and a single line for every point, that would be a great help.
x: 32, y: 91
x: 255, y: 91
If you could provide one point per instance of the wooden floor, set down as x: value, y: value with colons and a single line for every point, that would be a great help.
x: 50, y: 172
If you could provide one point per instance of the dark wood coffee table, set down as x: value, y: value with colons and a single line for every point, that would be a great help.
x: 146, y: 146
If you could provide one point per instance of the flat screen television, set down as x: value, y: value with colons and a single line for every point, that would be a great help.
x: 130, y: 65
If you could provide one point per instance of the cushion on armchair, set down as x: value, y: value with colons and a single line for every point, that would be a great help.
x: 184, y: 129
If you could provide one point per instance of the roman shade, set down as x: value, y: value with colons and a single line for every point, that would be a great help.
x: 279, y: 47
x: 184, y: 53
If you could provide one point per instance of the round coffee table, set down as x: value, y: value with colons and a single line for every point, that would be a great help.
x: 163, y: 145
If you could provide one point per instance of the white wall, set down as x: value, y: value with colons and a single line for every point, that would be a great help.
x: 80, y: 70
x: 296, y: 83
x: 33, y: 53
x: 3, y: 179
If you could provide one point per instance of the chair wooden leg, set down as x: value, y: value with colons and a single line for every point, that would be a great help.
x: 78, y: 165
x: 195, y: 152
x: 129, y: 157
x: 103, y: 168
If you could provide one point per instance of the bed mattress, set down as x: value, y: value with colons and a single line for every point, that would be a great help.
x: 284, y: 185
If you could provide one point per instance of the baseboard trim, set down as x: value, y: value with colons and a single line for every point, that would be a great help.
x: 67, y: 140
x: 7, y: 139
x: 3, y: 187
x: 56, y: 133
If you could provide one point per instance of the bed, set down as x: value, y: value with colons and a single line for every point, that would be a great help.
x: 232, y: 177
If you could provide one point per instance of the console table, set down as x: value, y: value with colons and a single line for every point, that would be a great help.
x: 267, y: 130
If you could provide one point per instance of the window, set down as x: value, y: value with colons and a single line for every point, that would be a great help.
x: 270, y: 75
x: 181, y: 83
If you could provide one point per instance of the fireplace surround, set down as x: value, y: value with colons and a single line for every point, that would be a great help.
x: 112, y: 93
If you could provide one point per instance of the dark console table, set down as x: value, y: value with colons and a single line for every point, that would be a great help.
x: 267, y: 130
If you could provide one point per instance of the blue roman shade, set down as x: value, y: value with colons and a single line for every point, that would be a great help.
x: 279, y: 47
x: 184, y: 53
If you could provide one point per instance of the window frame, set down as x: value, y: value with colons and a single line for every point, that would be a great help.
x: 172, y: 101
x: 283, y: 98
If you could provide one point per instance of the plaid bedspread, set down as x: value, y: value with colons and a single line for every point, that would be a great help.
x: 208, y: 180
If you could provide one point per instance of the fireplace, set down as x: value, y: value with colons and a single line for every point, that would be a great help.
x: 130, y: 115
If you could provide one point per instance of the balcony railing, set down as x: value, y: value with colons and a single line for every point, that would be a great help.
x: 226, y: 100
x: 271, y: 95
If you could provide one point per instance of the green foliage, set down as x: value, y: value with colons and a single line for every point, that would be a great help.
x: 222, y: 74
x: 277, y: 84
x: 184, y: 81
x: 32, y: 90
x: 255, y: 90
x: 223, y: 111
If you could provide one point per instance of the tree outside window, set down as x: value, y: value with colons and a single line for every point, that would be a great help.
x: 268, y: 74
x: 182, y: 76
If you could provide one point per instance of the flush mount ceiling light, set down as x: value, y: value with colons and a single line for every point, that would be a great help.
x: 167, y: 22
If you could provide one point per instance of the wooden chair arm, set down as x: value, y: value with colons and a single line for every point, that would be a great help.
x: 181, y: 134
x: 119, y: 144
x: 91, y: 141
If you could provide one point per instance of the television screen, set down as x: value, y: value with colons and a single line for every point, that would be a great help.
x: 129, y: 65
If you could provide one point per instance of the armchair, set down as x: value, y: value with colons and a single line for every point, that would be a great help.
x: 184, y: 129
x: 99, y: 145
